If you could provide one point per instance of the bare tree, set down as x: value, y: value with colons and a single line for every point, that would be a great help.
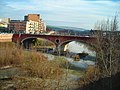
x: 108, y: 47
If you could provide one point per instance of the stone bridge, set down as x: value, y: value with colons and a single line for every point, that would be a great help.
x: 57, y: 40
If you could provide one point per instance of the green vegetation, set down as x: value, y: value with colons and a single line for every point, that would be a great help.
x: 43, y: 42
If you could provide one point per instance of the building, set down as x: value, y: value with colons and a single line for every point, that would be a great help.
x: 4, y: 23
x: 43, y: 26
x: 95, y: 33
x: 32, y: 17
x: 17, y: 26
x: 6, y: 20
x: 32, y: 27
x: 34, y: 24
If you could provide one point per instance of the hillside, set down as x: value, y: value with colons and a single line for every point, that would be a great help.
x: 70, y: 30
x: 65, y: 28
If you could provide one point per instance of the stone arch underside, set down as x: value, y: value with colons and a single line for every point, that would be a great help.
x: 62, y: 44
x: 29, y: 40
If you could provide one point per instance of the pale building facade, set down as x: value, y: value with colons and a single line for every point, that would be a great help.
x: 32, y: 27
x: 34, y: 24
x: 4, y: 22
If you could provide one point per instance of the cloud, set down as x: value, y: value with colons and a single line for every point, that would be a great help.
x: 74, y: 11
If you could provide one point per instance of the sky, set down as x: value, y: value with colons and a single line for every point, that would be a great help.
x: 73, y: 13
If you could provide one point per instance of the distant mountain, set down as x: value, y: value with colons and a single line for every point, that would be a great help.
x: 69, y: 30
x: 54, y: 27
x: 65, y: 28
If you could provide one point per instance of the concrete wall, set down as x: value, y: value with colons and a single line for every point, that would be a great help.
x: 6, y: 37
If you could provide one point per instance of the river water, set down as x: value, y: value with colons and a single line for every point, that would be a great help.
x: 82, y: 64
x: 75, y: 47
x: 78, y: 47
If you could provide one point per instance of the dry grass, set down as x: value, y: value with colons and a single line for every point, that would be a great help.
x: 38, y: 66
x: 10, y: 54
x: 92, y: 74
x: 35, y: 63
x: 39, y: 72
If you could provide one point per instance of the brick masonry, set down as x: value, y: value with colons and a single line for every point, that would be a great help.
x: 6, y: 37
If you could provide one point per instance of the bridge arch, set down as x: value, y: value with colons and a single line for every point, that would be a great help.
x: 61, y: 46
x: 29, y: 40
x: 81, y: 41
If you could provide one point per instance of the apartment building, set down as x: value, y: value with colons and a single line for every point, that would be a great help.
x: 32, y: 27
x: 4, y: 23
x: 32, y: 17
x: 34, y: 24
x: 17, y: 26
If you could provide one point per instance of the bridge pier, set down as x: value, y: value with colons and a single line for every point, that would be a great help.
x: 61, y: 50
x: 57, y: 51
x: 27, y: 44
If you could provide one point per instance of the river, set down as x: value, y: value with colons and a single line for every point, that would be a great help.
x: 76, y: 47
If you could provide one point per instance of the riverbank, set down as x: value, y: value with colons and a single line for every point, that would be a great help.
x: 36, y: 70
x: 31, y: 69
x: 19, y: 77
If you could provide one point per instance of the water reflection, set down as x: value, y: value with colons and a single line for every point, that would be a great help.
x: 73, y: 48
x: 79, y: 48
x: 81, y: 63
